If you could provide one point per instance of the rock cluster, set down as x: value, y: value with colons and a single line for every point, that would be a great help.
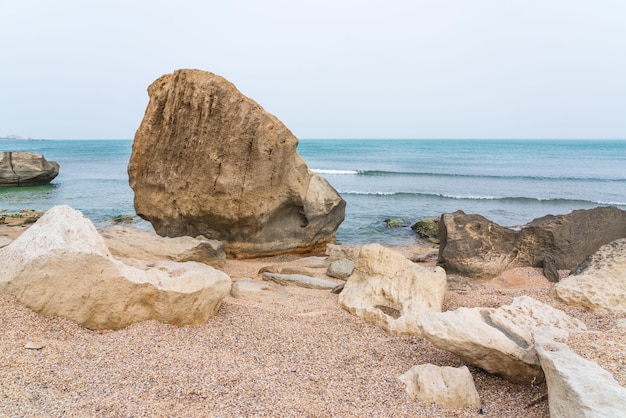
x: 61, y: 266
x: 207, y: 160
x: 26, y: 169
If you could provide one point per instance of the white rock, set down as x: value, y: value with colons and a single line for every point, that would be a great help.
x: 577, y: 387
x: 384, y: 281
x: 450, y: 387
x: 497, y: 340
x: 61, y: 266
x: 601, y: 285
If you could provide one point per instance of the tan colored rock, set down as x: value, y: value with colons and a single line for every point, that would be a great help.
x: 391, y: 292
x: 26, y: 169
x: 61, y: 266
x: 258, y: 291
x: 299, y: 280
x: 599, y: 283
x: 449, y: 387
x: 209, y: 161
x: 497, y: 340
x: 130, y: 242
x: 577, y: 387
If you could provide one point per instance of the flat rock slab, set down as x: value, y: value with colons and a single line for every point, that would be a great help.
x: 257, y: 291
x: 299, y: 280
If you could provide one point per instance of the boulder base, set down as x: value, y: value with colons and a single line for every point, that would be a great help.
x: 207, y: 160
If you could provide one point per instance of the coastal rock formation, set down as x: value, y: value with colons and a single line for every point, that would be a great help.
x: 61, y: 266
x: 473, y: 246
x: 599, y: 283
x: 129, y: 242
x: 209, y: 161
x: 577, y: 387
x: 26, y: 169
x: 497, y: 340
x: 450, y: 387
x: 427, y: 228
x: 391, y: 292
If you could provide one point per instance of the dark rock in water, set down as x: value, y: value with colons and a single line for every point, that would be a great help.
x: 209, y: 161
x: 427, y: 228
x: 473, y: 246
x: 26, y: 169
x: 396, y: 223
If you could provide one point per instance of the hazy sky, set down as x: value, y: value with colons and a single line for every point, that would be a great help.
x: 326, y: 68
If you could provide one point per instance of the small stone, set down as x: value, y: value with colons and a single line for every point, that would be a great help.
x: 33, y: 346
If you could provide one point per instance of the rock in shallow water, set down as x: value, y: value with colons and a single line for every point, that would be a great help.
x: 26, y: 169
x: 209, y: 161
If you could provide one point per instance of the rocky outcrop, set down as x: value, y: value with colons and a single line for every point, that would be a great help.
x: 475, y: 247
x: 599, y: 282
x: 26, y: 169
x: 207, y: 160
x: 577, y: 387
x: 129, y: 242
x: 61, y: 266
x: 497, y: 340
x: 390, y: 291
x: 449, y: 387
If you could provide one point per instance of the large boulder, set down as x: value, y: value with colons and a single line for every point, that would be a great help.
x: 599, y: 282
x: 577, y: 387
x: 473, y: 246
x: 391, y: 292
x: 19, y: 168
x: 497, y: 340
x: 207, y: 160
x: 130, y: 242
x: 61, y: 266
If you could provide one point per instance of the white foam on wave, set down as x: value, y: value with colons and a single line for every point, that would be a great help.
x: 324, y: 171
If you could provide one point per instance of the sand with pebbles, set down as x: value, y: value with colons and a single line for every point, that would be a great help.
x: 303, y: 356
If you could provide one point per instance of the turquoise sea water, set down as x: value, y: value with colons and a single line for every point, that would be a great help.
x: 508, y: 181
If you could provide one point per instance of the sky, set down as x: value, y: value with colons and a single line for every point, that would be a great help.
x: 555, y: 69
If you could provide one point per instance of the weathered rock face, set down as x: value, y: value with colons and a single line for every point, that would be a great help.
x: 449, y: 387
x: 475, y: 247
x: 61, y: 266
x: 391, y: 292
x: 577, y: 387
x: 209, y: 161
x: 599, y: 283
x: 26, y: 169
x: 497, y: 340
x: 129, y: 242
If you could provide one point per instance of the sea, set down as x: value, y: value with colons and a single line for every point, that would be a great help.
x: 388, y: 184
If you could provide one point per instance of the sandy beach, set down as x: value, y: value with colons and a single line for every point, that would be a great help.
x: 303, y: 356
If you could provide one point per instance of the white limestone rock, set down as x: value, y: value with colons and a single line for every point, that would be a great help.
x: 599, y: 284
x: 61, y: 266
x: 577, y: 387
x: 391, y: 292
x: 497, y: 340
x: 449, y: 387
